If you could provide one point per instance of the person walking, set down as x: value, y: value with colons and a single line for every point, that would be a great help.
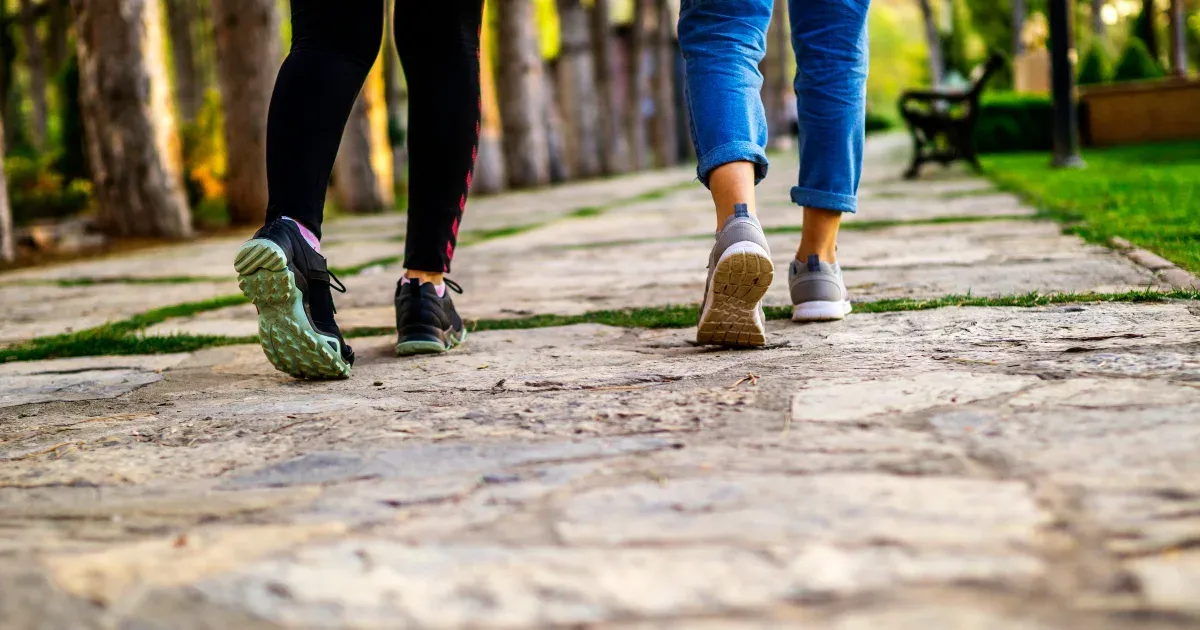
x: 281, y: 269
x: 723, y: 42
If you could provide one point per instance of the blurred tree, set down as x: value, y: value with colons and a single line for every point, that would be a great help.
x: 189, y: 95
x: 639, y: 88
x: 522, y: 95
x: 577, y: 98
x: 614, y: 144
x: 1097, y: 15
x: 1179, y: 56
x: 933, y: 42
x: 1094, y: 68
x: 396, y: 94
x: 489, y: 173
x: 57, y: 44
x: 1018, y: 24
x: 8, y: 53
x: 774, y: 69
x: 666, y: 144
x: 132, y: 147
x: 35, y: 62
x: 362, y: 172
x: 248, y: 56
x: 8, y: 252
x: 1136, y: 63
x: 71, y: 162
x: 1144, y: 28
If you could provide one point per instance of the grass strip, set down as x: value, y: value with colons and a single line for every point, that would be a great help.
x: 121, y: 338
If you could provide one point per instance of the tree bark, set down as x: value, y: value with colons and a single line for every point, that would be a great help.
x: 1179, y: 56
x: 8, y: 252
x: 132, y: 147
x: 1018, y: 24
x: 247, y: 37
x: 489, y: 174
x: 189, y: 96
x: 396, y: 94
x: 57, y: 45
x: 666, y: 142
x: 614, y: 148
x: 933, y: 42
x: 639, y: 88
x: 35, y: 59
x: 577, y: 98
x: 363, y: 169
x: 1098, y: 27
x: 522, y: 96
x: 554, y: 130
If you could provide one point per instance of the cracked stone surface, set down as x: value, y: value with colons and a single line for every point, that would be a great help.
x: 989, y: 468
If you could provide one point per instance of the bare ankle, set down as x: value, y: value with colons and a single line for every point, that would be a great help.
x: 424, y: 276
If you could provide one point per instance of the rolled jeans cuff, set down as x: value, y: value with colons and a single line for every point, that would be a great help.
x: 739, y: 151
x: 810, y: 198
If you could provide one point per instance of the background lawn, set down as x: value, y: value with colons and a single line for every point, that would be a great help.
x: 1147, y: 194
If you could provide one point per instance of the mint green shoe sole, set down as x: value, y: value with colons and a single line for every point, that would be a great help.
x: 290, y: 342
x: 410, y: 348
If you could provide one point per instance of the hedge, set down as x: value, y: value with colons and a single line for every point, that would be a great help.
x: 1014, y: 122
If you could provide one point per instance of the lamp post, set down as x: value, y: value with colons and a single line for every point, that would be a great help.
x: 1062, y: 85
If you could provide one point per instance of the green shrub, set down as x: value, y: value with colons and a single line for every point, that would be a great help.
x: 1095, y: 67
x: 1014, y: 122
x: 1137, y: 63
x: 36, y: 191
x: 879, y: 122
x: 72, y: 162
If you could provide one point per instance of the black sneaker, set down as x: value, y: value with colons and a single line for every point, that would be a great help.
x: 291, y: 286
x: 427, y: 323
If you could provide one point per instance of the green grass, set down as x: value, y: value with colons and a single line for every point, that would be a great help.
x: 122, y: 338
x: 1148, y: 194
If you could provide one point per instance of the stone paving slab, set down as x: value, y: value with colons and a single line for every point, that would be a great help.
x: 988, y: 468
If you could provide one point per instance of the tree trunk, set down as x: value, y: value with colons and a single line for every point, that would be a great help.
x: 1018, y: 24
x: 132, y: 147
x: 57, y: 45
x: 189, y: 96
x: 363, y: 169
x: 577, y: 98
x: 554, y: 130
x: 489, y: 174
x: 35, y: 59
x: 1179, y: 56
x: 396, y: 94
x: 1098, y: 27
x: 932, y: 42
x: 614, y: 148
x: 522, y: 96
x: 8, y: 252
x: 774, y: 71
x: 247, y: 37
x: 666, y: 143
x: 639, y: 88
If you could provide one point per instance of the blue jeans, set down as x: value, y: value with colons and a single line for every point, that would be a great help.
x: 723, y: 42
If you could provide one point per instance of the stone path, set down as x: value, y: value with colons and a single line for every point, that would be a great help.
x: 947, y: 468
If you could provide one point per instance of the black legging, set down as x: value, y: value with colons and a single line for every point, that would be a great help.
x: 334, y: 45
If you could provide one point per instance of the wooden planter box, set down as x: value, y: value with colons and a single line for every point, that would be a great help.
x: 1141, y: 111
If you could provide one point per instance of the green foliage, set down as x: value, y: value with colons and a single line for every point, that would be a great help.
x: 71, y: 162
x: 1144, y: 30
x: 1014, y: 122
x: 37, y: 191
x: 1095, y: 67
x: 1136, y: 63
x: 1144, y: 193
x: 879, y: 122
x: 897, y: 54
x: 204, y: 157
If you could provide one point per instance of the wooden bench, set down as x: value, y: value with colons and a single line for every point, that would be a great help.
x: 942, y: 120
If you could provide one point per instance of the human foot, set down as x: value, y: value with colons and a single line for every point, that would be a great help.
x: 425, y: 318
x: 291, y: 286
x: 739, y: 273
x: 818, y: 291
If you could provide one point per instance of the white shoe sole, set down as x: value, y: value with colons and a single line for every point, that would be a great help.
x: 731, y: 314
x: 820, y: 311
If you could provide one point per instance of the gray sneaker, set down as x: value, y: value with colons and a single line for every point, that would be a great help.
x: 739, y: 273
x: 818, y: 291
